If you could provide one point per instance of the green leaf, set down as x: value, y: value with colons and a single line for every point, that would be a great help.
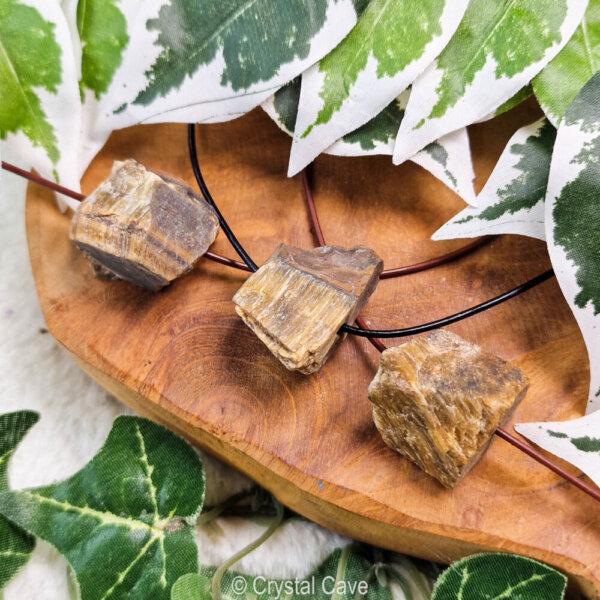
x: 192, y: 586
x: 558, y: 84
x: 125, y: 521
x: 512, y: 200
x: 392, y: 43
x: 498, y: 48
x: 572, y: 223
x: 15, y: 545
x: 499, y: 577
x: 29, y: 61
x: 345, y: 572
x: 102, y: 29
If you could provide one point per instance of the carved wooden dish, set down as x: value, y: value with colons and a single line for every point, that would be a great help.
x: 184, y: 358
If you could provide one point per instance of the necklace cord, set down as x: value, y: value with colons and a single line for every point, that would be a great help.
x: 362, y: 330
x: 501, y: 433
x: 209, y: 199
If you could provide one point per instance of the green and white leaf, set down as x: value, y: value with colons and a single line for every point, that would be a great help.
x: 392, y: 43
x: 519, y: 97
x: 498, y: 48
x: 125, y: 521
x: 576, y: 441
x: 448, y: 159
x: 376, y: 136
x: 558, y: 84
x: 343, y: 571
x: 100, y: 33
x: 512, y: 200
x: 16, y: 546
x: 205, y: 61
x: 40, y: 111
x: 499, y: 577
x: 573, y: 220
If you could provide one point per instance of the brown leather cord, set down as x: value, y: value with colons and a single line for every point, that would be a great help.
x: 516, y: 442
x: 501, y: 433
x: 397, y: 271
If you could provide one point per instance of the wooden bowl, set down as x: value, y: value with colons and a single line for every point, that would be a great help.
x: 182, y: 357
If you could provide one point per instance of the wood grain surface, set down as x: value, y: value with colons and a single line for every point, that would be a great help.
x: 184, y: 358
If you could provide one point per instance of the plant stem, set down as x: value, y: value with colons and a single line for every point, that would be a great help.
x: 216, y: 581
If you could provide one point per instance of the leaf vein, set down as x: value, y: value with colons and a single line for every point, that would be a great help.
x: 106, y: 518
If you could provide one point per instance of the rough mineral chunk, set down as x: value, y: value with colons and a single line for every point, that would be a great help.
x: 297, y: 301
x: 438, y: 399
x: 142, y: 228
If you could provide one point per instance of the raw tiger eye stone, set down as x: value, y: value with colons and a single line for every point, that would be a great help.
x: 297, y: 301
x: 438, y: 400
x: 142, y: 228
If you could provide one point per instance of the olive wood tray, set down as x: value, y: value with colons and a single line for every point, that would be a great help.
x: 183, y: 358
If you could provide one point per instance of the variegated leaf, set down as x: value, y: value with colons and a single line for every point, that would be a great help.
x: 498, y: 48
x: 205, y: 61
x: 573, y: 219
x: 558, y: 84
x: 392, y: 43
x: 576, y: 441
x: 40, y: 111
x: 100, y: 32
x: 519, y: 97
x: 448, y: 159
x: 282, y: 106
x: 512, y: 200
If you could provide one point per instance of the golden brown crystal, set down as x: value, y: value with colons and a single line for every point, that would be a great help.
x: 297, y: 301
x: 438, y: 399
x: 142, y: 228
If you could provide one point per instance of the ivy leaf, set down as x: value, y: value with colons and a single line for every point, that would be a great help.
x: 39, y: 107
x: 558, y: 84
x: 576, y: 441
x: 448, y: 159
x: 392, y: 43
x: 572, y: 223
x: 125, y: 521
x: 205, y: 61
x: 194, y: 586
x: 16, y: 546
x: 343, y: 571
x: 512, y: 200
x: 498, y: 48
x: 499, y: 577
